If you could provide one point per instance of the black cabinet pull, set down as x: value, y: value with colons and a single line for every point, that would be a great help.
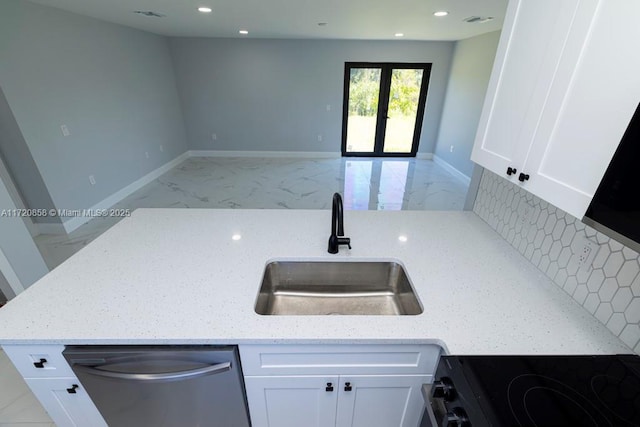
x: 72, y: 390
x: 511, y: 171
x: 523, y: 177
x: 347, y: 387
x: 40, y: 364
x: 329, y: 387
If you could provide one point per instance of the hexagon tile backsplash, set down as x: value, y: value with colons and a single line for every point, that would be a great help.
x: 554, y: 241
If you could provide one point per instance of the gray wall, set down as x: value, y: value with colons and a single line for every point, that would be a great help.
x: 113, y: 87
x: 23, y: 171
x: 18, y: 246
x: 271, y: 95
x: 472, y: 63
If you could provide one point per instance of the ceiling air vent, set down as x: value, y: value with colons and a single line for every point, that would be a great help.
x: 149, y: 13
x: 478, y: 19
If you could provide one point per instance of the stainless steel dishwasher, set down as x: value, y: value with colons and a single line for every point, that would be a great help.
x: 185, y: 386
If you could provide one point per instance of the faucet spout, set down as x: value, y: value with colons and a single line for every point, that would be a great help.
x: 337, y: 226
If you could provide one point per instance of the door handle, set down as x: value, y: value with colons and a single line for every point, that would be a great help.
x: 167, y: 376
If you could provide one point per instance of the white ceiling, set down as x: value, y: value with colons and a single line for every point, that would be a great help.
x: 346, y: 19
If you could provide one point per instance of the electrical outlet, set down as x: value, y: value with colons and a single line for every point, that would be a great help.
x: 161, y: 149
x: 328, y: 107
x: 214, y: 137
x: 92, y: 180
x: 585, y: 250
x: 451, y: 149
x: 146, y: 154
x: 319, y: 138
x: 65, y: 130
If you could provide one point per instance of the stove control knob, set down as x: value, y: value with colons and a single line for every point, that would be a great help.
x: 457, y: 417
x: 443, y: 389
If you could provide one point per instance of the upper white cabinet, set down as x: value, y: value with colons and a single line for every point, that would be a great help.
x: 565, y: 83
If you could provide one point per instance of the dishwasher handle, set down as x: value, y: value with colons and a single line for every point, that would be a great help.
x: 165, y: 376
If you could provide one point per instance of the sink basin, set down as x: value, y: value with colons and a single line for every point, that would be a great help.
x: 324, y: 288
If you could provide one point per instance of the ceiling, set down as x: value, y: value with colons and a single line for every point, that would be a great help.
x: 345, y: 19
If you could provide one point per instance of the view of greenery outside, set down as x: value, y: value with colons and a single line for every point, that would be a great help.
x: 364, y: 90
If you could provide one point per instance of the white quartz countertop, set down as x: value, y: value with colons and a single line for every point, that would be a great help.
x: 176, y: 276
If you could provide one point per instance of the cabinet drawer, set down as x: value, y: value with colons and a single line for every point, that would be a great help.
x: 339, y: 359
x: 25, y: 358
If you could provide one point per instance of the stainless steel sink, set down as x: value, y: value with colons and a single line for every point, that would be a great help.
x: 324, y: 288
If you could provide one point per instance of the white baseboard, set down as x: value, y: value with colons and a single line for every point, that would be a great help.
x: 76, y: 222
x: 50, y: 228
x: 424, y: 156
x: 455, y: 172
x: 269, y: 154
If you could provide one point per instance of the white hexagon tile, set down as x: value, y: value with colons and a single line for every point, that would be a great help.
x: 606, y: 282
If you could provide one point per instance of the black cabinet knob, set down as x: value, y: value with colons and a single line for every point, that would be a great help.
x: 523, y: 177
x: 40, y: 364
x: 457, y: 417
x: 511, y: 171
x: 443, y: 389
x: 347, y: 387
x: 72, y: 390
x: 329, y: 387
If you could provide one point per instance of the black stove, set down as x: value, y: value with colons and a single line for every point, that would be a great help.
x: 596, y: 391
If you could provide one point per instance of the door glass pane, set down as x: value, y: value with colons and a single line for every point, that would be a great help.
x: 403, y: 110
x: 364, y: 93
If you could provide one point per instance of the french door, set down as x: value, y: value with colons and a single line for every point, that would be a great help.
x: 383, y: 108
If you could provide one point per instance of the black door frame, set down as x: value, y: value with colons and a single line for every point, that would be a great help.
x: 383, y: 106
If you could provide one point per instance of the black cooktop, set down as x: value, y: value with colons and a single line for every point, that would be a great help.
x: 556, y: 390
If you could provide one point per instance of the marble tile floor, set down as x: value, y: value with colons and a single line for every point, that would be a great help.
x: 18, y: 406
x: 279, y: 183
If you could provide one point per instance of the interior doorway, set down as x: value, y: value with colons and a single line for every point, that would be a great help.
x: 383, y: 108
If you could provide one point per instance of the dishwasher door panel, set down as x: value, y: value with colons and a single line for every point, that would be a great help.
x: 163, y: 386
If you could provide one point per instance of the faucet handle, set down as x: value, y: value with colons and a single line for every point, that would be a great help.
x: 344, y: 241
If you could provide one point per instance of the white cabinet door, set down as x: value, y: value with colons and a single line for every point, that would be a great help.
x: 532, y: 41
x: 590, y: 103
x: 380, y: 400
x: 67, y: 409
x: 292, y: 401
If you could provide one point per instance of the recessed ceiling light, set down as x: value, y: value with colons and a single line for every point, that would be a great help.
x: 243, y: 32
x: 399, y: 35
x: 236, y: 237
x: 204, y: 9
x: 441, y: 13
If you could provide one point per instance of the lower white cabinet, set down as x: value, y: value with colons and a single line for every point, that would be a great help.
x: 292, y: 401
x: 66, y: 402
x: 380, y: 400
x: 341, y: 401
x: 337, y: 385
x: 52, y: 381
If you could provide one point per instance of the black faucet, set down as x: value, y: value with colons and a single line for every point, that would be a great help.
x: 337, y: 226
